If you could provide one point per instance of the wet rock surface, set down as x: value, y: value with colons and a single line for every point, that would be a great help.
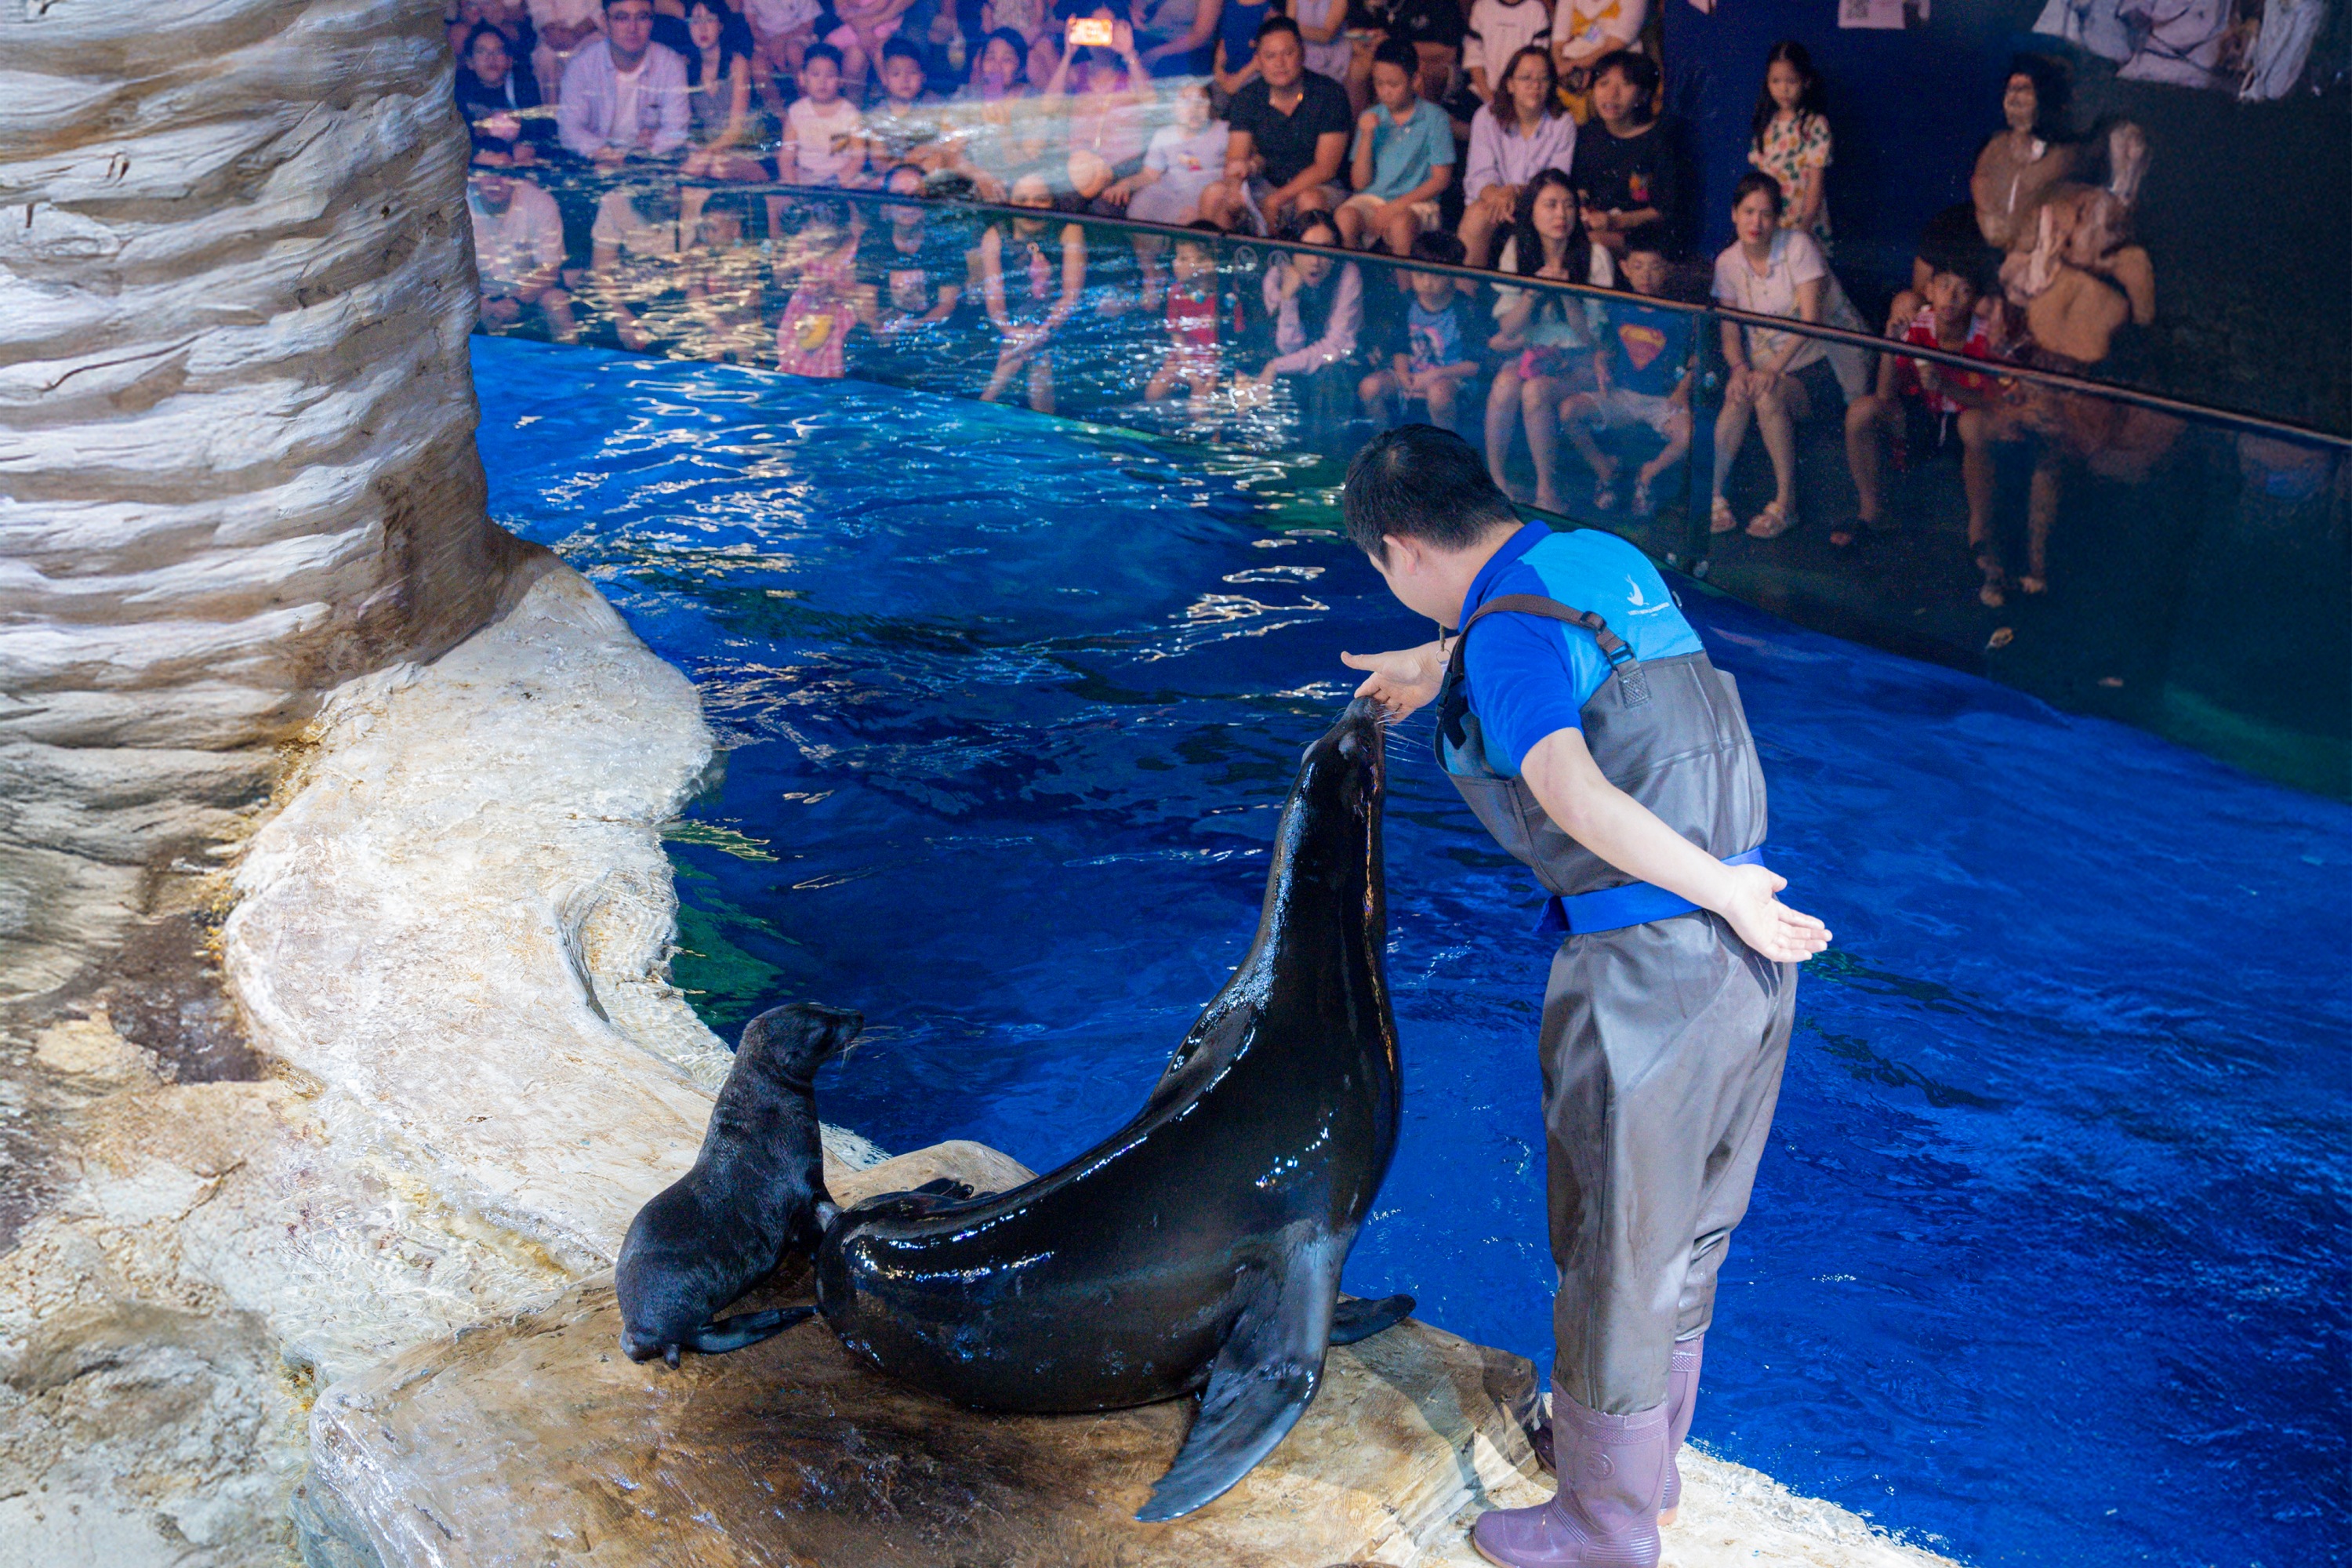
x: 538, y: 1437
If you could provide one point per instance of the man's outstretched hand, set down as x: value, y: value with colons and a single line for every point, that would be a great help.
x: 1399, y: 681
x: 1764, y: 923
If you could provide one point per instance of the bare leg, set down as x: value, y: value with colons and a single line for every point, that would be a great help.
x: 557, y: 306
x: 1776, y: 415
x: 1863, y: 416
x: 1442, y: 399
x: 1576, y: 417
x: 1678, y: 440
x: 1538, y: 408
x: 1730, y: 434
x: 1502, y: 414
x: 1041, y: 384
x: 2041, y: 511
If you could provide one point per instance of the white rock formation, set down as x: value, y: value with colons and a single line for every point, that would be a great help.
x: 235, y: 419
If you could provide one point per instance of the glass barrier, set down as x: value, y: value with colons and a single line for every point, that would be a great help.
x: 1967, y: 502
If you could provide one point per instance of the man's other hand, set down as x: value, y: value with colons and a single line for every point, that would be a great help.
x: 1764, y: 923
x: 1401, y: 682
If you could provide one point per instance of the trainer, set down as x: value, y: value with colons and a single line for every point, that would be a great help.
x: 1578, y: 715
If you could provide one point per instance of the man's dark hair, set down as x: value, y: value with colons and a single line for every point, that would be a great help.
x: 1276, y: 24
x: 1641, y: 73
x: 1436, y: 245
x: 1653, y: 237
x: 1418, y: 482
x: 1400, y: 54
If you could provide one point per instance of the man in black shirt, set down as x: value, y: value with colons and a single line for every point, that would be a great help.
x: 1290, y: 130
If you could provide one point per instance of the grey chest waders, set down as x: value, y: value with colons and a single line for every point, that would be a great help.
x: 1664, y: 1033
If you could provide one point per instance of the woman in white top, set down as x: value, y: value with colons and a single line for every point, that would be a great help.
x: 1774, y: 271
x: 1550, y: 332
x: 1523, y: 132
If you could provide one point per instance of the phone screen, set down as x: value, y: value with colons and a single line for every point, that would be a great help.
x: 1093, y: 32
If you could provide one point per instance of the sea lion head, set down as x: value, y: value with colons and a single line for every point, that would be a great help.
x: 797, y: 1039
x: 1346, y: 768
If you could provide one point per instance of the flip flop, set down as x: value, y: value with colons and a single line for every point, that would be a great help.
x: 1604, y: 496
x: 1645, y: 503
x: 1770, y: 523
x: 1719, y: 518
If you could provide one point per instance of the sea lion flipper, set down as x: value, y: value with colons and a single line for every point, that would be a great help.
x: 1259, y: 1385
x: 1355, y: 1321
x: 720, y: 1335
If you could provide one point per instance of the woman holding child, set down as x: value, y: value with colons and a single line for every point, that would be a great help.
x: 1522, y: 132
x: 1549, y: 335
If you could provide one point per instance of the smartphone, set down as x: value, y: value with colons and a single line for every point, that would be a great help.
x: 1090, y: 32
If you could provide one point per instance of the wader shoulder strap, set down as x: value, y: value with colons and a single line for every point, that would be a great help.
x: 1633, y: 686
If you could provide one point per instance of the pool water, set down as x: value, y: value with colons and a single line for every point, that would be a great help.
x: 2046, y: 1261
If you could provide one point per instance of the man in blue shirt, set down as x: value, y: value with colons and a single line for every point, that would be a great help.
x: 1582, y: 719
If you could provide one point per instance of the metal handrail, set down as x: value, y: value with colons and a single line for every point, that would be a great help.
x: 2059, y: 381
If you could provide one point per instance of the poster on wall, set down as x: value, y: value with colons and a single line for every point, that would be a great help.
x: 1890, y: 14
x: 2255, y: 49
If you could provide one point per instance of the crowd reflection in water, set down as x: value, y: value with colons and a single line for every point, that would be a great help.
x: 626, y: 192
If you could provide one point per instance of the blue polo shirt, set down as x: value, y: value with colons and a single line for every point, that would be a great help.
x: 1528, y: 677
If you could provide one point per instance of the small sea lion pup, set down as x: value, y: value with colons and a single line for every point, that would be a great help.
x: 756, y: 1191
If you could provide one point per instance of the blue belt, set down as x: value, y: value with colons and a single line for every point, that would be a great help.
x: 1614, y: 908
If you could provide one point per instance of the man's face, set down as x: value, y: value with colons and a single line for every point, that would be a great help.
x: 1279, y: 59
x: 629, y: 23
x: 494, y: 189
x: 902, y: 78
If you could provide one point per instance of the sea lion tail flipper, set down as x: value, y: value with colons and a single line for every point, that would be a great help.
x: 1354, y: 1321
x: 1259, y: 1385
x: 720, y: 1335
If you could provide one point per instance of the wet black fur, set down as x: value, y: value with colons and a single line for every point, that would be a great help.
x: 756, y: 1192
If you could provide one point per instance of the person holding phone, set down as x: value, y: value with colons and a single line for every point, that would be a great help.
x: 1103, y: 94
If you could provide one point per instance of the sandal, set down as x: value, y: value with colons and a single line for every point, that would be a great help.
x: 1645, y: 503
x: 1771, y: 523
x: 1604, y: 496
x: 1719, y: 518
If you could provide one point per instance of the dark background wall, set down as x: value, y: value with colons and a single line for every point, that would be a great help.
x: 2247, y: 212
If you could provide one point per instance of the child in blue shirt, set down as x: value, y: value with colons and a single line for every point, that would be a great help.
x: 1404, y: 158
x: 1644, y: 371
x: 1440, y: 356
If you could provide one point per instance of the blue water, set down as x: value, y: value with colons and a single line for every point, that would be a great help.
x: 2046, y: 1262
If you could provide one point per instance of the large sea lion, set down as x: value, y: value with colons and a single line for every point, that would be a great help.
x: 756, y: 1191
x: 1199, y: 1245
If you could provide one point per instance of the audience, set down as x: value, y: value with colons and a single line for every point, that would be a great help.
x: 1776, y: 377
x: 1290, y: 130
x: 1404, y: 159
x: 1641, y: 378
x: 1571, y: 170
x: 1183, y: 162
x: 1439, y: 355
x: 501, y: 105
x: 517, y: 248
x: 1789, y: 137
x: 1523, y: 132
x: 1546, y: 337
x: 1030, y: 291
x: 726, y: 134
x: 1630, y: 164
x: 624, y: 95
x: 1316, y: 304
x: 1499, y: 31
x: 1192, y: 364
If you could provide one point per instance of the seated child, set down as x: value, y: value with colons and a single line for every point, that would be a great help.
x: 1182, y: 161
x: 825, y: 134
x: 1191, y: 361
x: 1643, y: 372
x: 1404, y: 158
x: 820, y: 262
x: 1440, y: 353
x: 1922, y: 406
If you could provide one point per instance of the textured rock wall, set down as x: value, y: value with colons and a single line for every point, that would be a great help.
x: 235, y: 419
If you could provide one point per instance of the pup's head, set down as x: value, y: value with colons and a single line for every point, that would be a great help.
x: 799, y: 1038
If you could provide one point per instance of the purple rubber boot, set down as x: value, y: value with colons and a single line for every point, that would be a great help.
x: 1611, y: 1469
x: 1682, y: 1402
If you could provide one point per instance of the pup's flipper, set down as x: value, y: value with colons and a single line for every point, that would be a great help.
x: 1354, y: 1321
x: 1260, y: 1384
x: 720, y: 1335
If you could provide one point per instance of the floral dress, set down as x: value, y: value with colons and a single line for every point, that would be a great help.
x: 1792, y: 149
